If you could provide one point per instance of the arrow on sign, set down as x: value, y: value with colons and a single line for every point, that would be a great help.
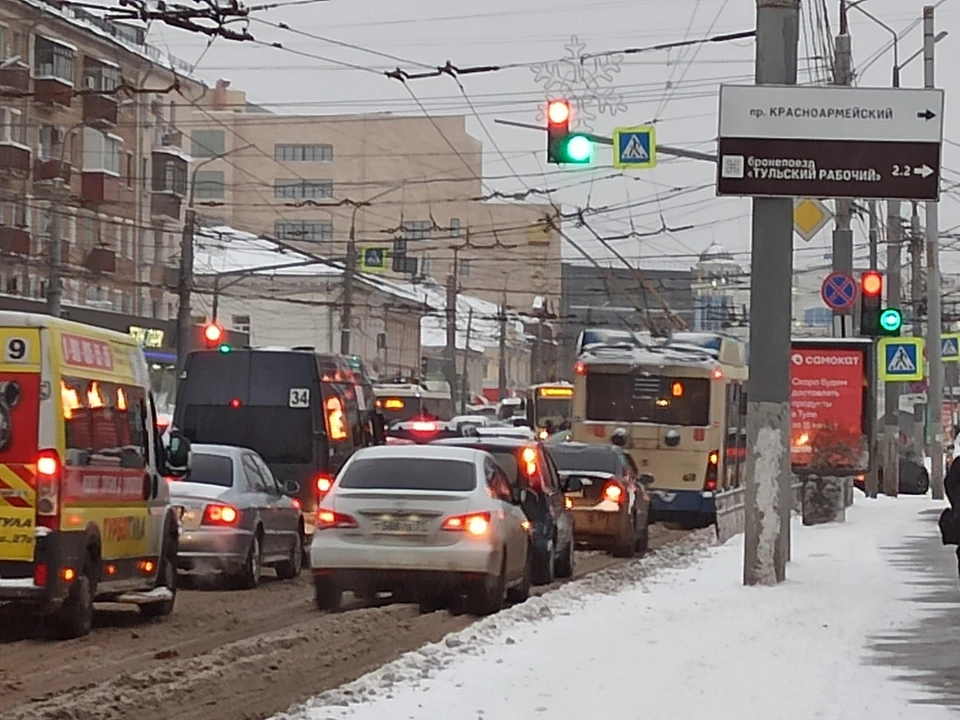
x: 923, y: 171
x: 927, y: 115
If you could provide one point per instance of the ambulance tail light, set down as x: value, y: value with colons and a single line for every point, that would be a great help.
x: 49, y: 471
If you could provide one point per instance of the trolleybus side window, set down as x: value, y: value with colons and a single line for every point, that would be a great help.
x: 648, y: 398
x: 735, y: 451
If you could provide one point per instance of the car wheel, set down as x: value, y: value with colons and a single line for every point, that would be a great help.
x: 565, y: 564
x: 521, y: 592
x: 75, y: 617
x: 545, y: 565
x: 488, y: 597
x: 166, y: 578
x: 290, y: 569
x: 626, y: 544
x: 252, y: 571
x: 327, y: 595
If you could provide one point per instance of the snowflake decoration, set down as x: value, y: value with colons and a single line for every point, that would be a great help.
x: 587, y: 84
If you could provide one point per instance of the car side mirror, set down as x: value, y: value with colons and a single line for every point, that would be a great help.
x: 291, y: 488
x: 573, y: 484
x: 177, y: 455
x: 646, y: 479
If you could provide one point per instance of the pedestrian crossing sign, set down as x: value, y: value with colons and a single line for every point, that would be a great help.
x: 373, y: 259
x: 635, y: 148
x: 901, y: 359
x: 950, y: 348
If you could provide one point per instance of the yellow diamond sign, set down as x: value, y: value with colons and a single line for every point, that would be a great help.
x: 810, y: 216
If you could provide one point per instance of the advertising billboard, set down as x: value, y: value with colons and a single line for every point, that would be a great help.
x: 827, y: 404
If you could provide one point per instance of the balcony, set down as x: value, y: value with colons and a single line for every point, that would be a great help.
x: 165, y: 205
x: 52, y: 92
x: 14, y: 160
x: 14, y: 241
x: 101, y: 259
x: 100, y: 111
x: 100, y: 187
x: 15, y: 79
x: 51, y: 170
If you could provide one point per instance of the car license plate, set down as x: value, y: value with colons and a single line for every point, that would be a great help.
x: 400, y: 526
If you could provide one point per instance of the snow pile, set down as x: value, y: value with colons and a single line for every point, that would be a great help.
x: 678, y: 642
x: 413, y: 668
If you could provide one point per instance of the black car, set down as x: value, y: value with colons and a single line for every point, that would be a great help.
x: 529, y: 467
x: 421, y: 432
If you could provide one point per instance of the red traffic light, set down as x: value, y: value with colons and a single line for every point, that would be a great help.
x: 558, y: 112
x: 871, y: 284
x: 212, y: 333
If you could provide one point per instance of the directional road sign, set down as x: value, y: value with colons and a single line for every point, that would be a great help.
x: 830, y: 141
x: 635, y: 148
x: 950, y: 348
x: 373, y: 259
x: 901, y: 359
x: 839, y: 291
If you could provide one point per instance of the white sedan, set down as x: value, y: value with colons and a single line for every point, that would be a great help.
x: 428, y: 524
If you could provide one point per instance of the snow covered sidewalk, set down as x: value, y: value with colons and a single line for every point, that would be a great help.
x: 681, y: 641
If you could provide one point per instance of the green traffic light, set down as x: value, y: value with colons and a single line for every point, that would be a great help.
x: 891, y: 320
x: 225, y: 349
x: 577, y: 149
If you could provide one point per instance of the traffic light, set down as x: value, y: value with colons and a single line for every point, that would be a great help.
x: 564, y: 147
x: 876, y: 321
x: 212, y: 334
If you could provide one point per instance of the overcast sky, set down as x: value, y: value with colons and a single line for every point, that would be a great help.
x: 677, y: 89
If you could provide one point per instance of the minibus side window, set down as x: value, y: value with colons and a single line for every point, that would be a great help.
x: 104, y: 423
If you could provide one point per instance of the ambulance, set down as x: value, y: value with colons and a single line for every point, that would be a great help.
x: 85, y: 511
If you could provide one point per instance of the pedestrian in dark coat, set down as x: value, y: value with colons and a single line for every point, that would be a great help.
x: 951, y: 486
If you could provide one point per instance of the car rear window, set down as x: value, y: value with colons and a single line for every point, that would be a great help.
x: 569, y: 459
x: 210, y: 470
x: 409, y: 473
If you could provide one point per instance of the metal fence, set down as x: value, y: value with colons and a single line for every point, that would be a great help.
x: 731, y: 509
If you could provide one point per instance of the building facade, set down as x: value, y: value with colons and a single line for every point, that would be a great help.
x: 408, y: 189
x: 90, y: 171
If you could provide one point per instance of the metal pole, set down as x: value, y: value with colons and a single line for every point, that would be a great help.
x: 54, y: 275
x: 934, y: 349
x: 450, y: 351
x: 768, y: 501
x: 891, y: 400
x: 872, y: 485
x: 842, y: 234
x: 216, y: 298
x: 466, y: 357
x: 350, y: 267
x: 184, y: 287
x: 916, y: 301
x: 502, y: 374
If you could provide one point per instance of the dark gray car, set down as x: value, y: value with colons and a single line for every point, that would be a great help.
x: 236, y: 518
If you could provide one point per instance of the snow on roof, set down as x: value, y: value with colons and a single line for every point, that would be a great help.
x: 225, y: 250
x: 484, y: 328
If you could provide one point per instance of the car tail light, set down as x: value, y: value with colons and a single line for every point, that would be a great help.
x: 567, y: 503
x: 40, y: 575
x: 220, y: 515
x: 48, y: 489
x: 424, y: 426
x: 475, y: 524
x: 713, y: 462
x: 297, y: 505
x: 579, y: 368
x: 325, y: 519
x: 324, y: 482
x: 529, y: 458
x: 613, y: 492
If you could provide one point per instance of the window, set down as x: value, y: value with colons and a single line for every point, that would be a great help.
x: 49, y: 138
x: 126, y: 241
x: 101, y: 152
x: 306, y: 230
x: 51, y: 59
x: 417, y: 229
x: 648, y: 398
x: 170, y: 175
x: 464, y: 267
x: 241, y: 323
x: 211, y: 470
x: 402, y: 262
x: 303, y: 153
x: 13, y: 129
x: 100, y: 76
x: 410, y: 474
x: 300, y: 189
x: 13, y: 212
x: 104, y: 422
x: 131, y: 170
x: 208, y: 185
x: 156, y: 307
x: 207, y: 143
x: 454, y: 227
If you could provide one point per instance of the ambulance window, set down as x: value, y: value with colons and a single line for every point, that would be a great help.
x: 104, y: 423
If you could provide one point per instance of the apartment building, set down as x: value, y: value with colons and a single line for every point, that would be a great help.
x: 89, y: 150
x: 408, y: 189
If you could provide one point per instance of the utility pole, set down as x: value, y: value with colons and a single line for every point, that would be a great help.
x: 873, y: 479
x: 466, y: 358
x: 768, y: 493
x: 450, y: 351
x: 54, y: 275
x: 916, y: 301
x: 842, y: 234
x: 502, y: 375
x: 934, y: 348
x: 349, y: 268
x: 184, y: 287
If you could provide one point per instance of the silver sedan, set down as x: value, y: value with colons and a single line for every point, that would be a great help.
x: 236, y: 518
